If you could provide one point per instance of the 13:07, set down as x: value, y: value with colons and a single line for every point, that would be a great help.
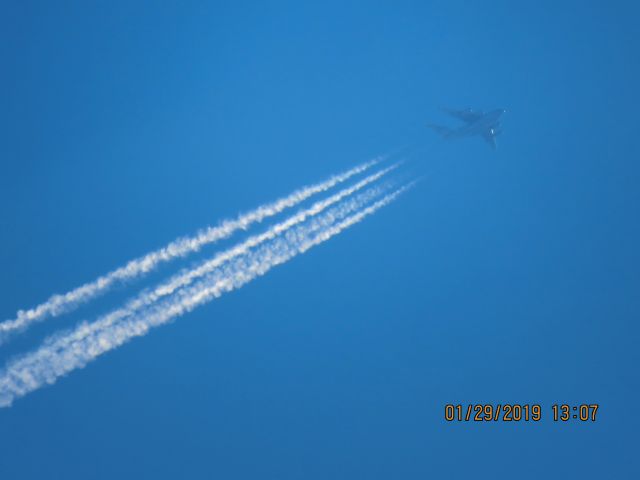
x: 582, y: 412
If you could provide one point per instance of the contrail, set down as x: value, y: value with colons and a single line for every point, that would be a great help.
x: 83, y: 334
x: 58, y: 304
x: 51, y: 361
x: 183, y: 279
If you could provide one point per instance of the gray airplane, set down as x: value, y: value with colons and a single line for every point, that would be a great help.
x: 476, y: 123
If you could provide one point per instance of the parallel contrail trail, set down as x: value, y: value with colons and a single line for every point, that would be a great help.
x: 183, y: 279
x: 45, y: 365
x: 83, y: 334
x: 58, y: 304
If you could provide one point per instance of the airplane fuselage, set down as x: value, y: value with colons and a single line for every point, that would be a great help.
x: 483, y: 125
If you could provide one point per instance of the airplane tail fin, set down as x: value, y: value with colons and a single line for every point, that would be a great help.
x: 439, y: 129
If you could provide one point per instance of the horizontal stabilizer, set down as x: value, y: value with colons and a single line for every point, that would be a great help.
x: 443, y: 131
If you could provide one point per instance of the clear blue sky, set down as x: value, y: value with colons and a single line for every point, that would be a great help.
x: 507, y: 276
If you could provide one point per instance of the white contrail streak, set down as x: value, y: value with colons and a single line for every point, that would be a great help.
x: 54, y: 359
x: 85, y: 332
x: 58, y: 304
x: 185, y: 278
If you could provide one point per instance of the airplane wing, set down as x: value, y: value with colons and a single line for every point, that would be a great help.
x: 468, y: 115
x: 490, y: 138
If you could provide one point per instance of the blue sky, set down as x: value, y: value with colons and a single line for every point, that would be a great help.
x: 506, y: 276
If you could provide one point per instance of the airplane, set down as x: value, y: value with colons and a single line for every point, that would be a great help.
x: 476, y: 123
